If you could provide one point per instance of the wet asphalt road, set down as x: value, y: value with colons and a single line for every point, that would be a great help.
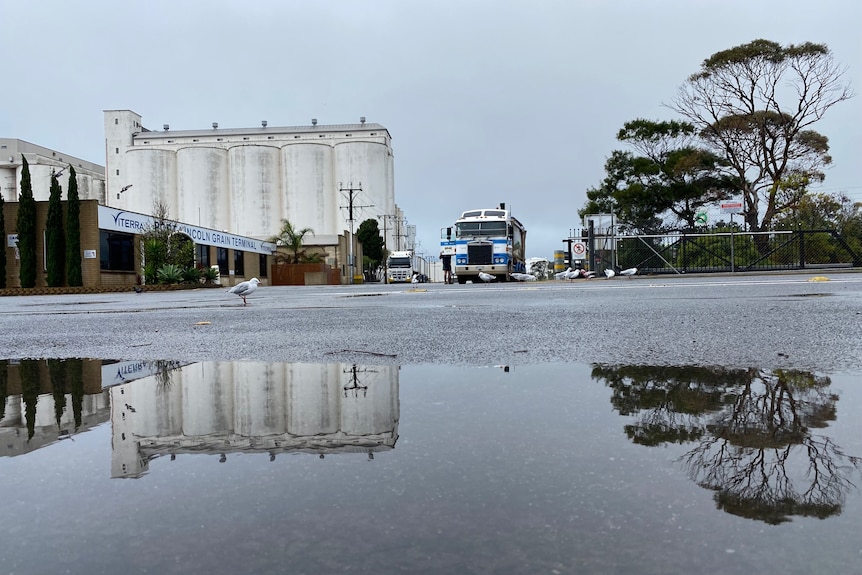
x: 766, y: 321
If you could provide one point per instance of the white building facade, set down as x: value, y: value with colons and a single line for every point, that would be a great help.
x: 246, y: 180
x: 42, y: 163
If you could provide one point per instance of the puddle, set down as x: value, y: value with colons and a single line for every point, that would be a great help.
x: 566, y: 468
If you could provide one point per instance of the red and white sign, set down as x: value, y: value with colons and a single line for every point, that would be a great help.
x: 579, y: 250
x: 731, y: 207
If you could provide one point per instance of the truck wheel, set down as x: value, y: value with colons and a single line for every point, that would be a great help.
x: 462, y: 280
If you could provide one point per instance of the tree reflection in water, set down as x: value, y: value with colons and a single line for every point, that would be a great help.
x: 752, y: 431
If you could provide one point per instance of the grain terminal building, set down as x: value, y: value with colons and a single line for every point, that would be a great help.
x: 246, y: 180
x: 227, y: 188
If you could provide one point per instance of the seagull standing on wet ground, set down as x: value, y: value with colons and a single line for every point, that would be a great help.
x: 245, y: 289
x: 486, y: 277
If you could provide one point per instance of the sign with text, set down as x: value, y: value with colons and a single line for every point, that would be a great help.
x: 731, y: 207
x: 115, y: 220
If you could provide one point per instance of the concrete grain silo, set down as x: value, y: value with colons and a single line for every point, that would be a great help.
x: 203, y: 187
x: 310, y: 196
x: 154, y: 173
x: 255, y: 190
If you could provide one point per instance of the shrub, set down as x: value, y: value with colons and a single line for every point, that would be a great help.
x: 192, y: 275
x: 210, y: 275
x: 170, y: 274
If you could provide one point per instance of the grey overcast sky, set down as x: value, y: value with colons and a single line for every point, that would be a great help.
x: 487, y: 101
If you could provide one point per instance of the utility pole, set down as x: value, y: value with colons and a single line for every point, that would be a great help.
x: 351, y: 196
x: 385, y: 218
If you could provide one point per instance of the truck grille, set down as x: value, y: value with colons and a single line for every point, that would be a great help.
x: 480, y: 254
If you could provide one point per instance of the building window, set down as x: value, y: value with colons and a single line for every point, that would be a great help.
x: 118, y: 172
x: 116, y: 252
x: 203, y: 255
x: 116, y: 150
x: 262, y: 265
x: 239, y: 262
x: 221, y: 257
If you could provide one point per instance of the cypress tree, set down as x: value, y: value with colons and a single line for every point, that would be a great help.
x: 2, y: 246
x: 55, y: 240
x: 26, y: 228
x: 74, y: 276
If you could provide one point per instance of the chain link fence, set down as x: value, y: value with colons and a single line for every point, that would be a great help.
x: 727, y: 251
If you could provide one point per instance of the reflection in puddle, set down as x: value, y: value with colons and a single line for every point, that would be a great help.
x: 218, y: 408
x: 43, y: 401
x: 752, y: 432
x: 755, y: 437
x: 521, y: 470
x: 223, y: 408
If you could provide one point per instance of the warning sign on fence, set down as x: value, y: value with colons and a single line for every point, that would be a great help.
x: 579, y: 250
x: 731, y: 207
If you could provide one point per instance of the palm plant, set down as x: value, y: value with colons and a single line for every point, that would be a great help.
x: 291, y: 238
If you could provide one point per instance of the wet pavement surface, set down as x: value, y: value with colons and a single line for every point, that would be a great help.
x: 766, y: 321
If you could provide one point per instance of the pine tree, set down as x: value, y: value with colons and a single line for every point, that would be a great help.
x: 55, y: 240
x: 26, y: 228
x: 2, y: 246
x: 74, y: 276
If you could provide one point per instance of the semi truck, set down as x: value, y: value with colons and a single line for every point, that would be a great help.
x: 488, y: 240
x: 401, y: 266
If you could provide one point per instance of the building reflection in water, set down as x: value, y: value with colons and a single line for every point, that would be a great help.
x: 45, y: 400
x: 223, y: 408
x: 755, y: 434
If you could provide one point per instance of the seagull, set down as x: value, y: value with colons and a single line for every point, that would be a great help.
x: 563, y: 275
x: 609, y: 273
x: 245, y: 289
x: 486, y: 277
x: 629, y: 272
x: 589, y: 274
x: 523, y: 277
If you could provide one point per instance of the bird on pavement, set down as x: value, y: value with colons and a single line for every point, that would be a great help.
x: 245, y: 289
x: 523, y: 277
x: 486, y: 277
x: 563, y: 275
x: 609, y: 273
x: 629, y: 272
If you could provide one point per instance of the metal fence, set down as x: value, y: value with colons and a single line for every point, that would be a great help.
x: 727, y: 251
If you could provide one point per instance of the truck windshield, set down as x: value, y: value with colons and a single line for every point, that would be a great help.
x: 399, y: 262
x: 472, y: 229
